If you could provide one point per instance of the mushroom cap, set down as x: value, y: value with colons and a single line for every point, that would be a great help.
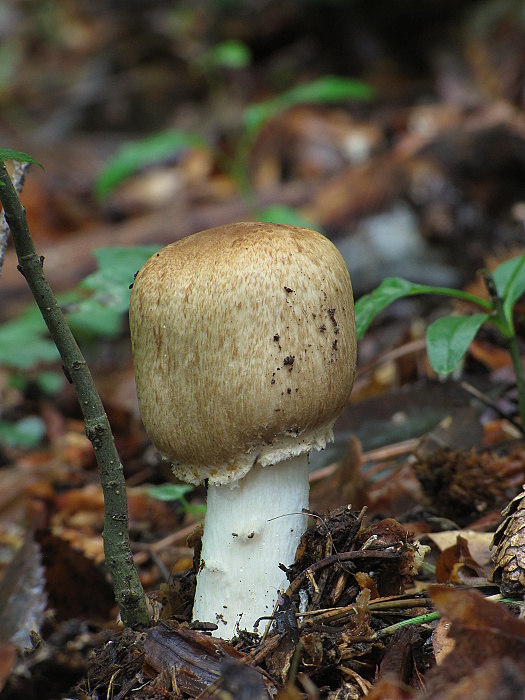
x: 244, y: 347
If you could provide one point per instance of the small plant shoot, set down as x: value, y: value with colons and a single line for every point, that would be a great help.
x: 449, y: 338
x: 137, y: 155
x: 169, y: 144
x: 177, y: 492
x: 230, y: 54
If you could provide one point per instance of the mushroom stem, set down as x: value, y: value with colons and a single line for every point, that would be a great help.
x: 251, y: 527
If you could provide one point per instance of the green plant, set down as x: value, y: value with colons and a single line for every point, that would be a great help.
x: 226, y: 54
x: 325, y: 90
x: 140, y: 154
x: 448, y: 338
x: 26, y: 432
x: 94, y: 308
x: 177, y: 492
x: 25, y: 343
x: 168, y: 144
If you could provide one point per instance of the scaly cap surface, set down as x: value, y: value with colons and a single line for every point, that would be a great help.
x: 244, y: 347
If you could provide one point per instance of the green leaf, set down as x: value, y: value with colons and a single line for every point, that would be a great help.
x: 228, y: 54
x: 23, y: 341
x: 25, y: 433
x: 137, y: 155
x: 322, y: 90
x: 509, y: 278
x: 9, y: 154
x: 449, y: 338
x: 281, y: 214
x: 101, y: 312
x: 169, y: 492
x: 390, y: 289
x: 393, y: 288
x: 117, y: 267
x: 90, y: 318
x: 50, y: 382
x: 176, y: 492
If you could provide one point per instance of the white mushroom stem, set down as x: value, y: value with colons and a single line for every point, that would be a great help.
x: 251, y: 527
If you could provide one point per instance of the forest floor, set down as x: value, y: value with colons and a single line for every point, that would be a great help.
x: 424, y: 178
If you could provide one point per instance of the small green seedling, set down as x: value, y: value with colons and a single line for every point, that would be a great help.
x: 231, y: 54
x: 177, y: 492
x: 171, y: 143
x: 449, y: 338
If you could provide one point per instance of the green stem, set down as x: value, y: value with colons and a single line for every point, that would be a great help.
x: 240, y: 167
x: 128, y: 590
x: 506, y: 328
x: 520, y: 380
x: 419, y: 620
x: 457, y: 294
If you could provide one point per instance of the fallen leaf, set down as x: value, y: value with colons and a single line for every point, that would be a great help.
x: 484, y: 632
x: 69, y: 574
x: 22, y: 596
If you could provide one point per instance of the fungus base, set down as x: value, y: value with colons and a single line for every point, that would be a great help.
x: 250, y: 528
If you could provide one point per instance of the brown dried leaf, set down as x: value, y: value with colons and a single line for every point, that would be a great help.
x: 278, y: 664
x: 469, y: 610
x: 494, y: 680
x: 365, y: 581
x: 344, y: 484
x: 8, y: 657
x: 442, y: 644
x: 388, y: 534
x: 69, y: 574
x: 455, y: 564
x: 486, y: 635
x: 482, y: 629
x: 479, y: 543
x: 22, y: 596
x: 388, y: 689
x: 398, y: 661
x: 489, y: 354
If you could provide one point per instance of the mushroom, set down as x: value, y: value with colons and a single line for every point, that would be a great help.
x: 244, y: 349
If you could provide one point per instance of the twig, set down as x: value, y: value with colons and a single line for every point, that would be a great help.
x: 329, y: 615
x: 491, y: 404
x: 411, y: 347
x: 380, y: 454
x: 119, y: 560
x: 339, y: 559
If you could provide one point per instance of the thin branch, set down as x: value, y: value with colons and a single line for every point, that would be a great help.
x: 491, y: 404
x: 119, y: 560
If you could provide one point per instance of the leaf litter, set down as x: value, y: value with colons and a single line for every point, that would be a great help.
x: 359, y: 617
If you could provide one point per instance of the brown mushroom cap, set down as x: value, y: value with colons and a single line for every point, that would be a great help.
x: 244, y: 347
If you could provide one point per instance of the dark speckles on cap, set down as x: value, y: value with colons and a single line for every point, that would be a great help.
x: 288, y: 361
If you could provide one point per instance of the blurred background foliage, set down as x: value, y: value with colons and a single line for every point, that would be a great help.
x: 207, y: 111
